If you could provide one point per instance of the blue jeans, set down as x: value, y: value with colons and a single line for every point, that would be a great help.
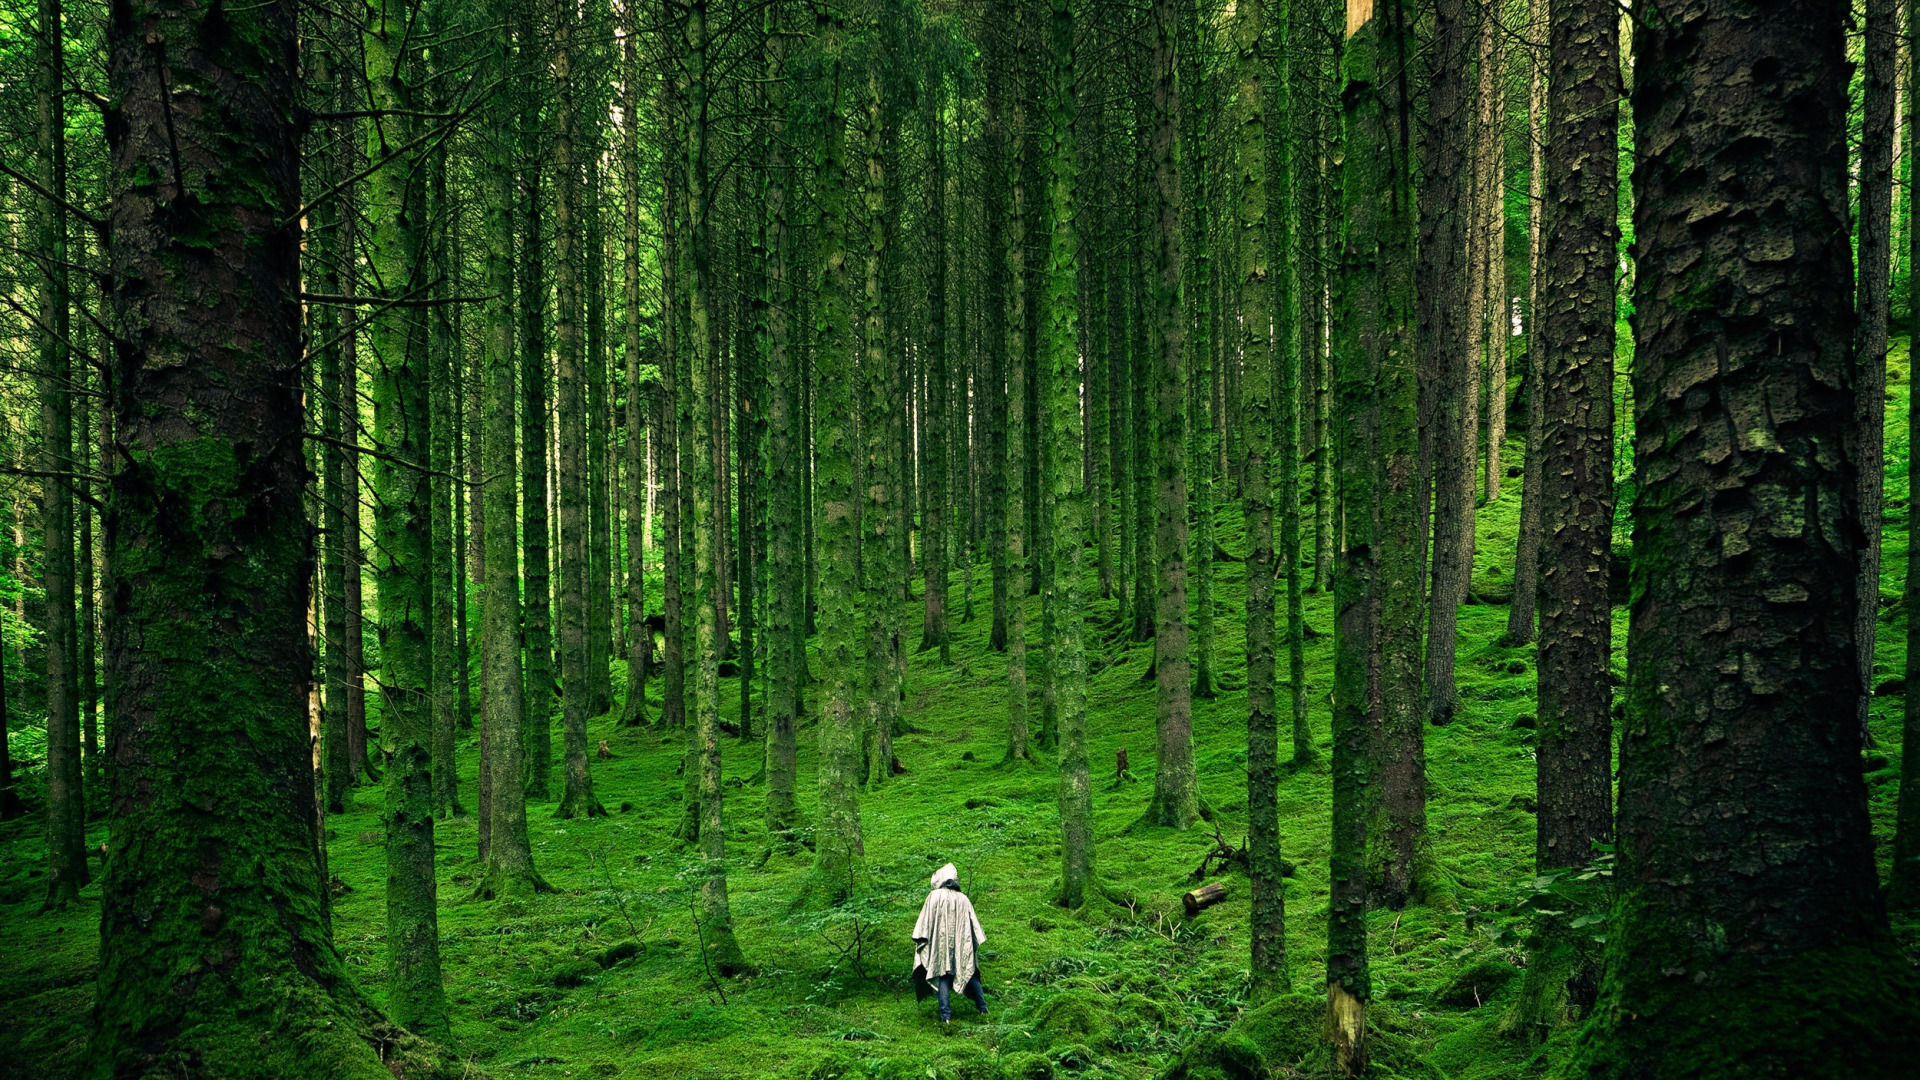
x: 973, y: 990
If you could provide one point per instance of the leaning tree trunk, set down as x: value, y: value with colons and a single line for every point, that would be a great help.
x: 1745, y: 877
x: 213, y: 851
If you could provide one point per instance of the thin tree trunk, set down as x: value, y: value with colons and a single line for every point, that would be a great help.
x: 639, y: 523
x: 1267, y: 920
x: 1176, y: 800
x: 1447, y: 339
x: 1490, y: 217
x: 536, y: 437
x: 1872, y: 298
x: 1903, y: 883
x: 786, y: 624
x: 1526, y: 553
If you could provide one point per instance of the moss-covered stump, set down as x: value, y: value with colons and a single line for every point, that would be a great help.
x: 1286, y: 1029
x: 1076, y: 1016
x: 1220, y: 1056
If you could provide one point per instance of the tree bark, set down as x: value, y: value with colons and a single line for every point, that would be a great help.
x: 1745, y: 872
x: 213, y: 844
x: 837, y: 835
x: 1526, y: 553
x: 1903, y: 884
x: 1176, y: 798
x: 1871, y: 313
x: 1447, y: 338
x: 536, y: 438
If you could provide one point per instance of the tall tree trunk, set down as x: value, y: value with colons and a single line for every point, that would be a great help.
x: 507, y: 851
x: 213, y: 844
x: 880, y: 579
x: 1145, y: 573
x: 1061, y: 351
x: 1202, y: 450
x: 1447, y: 338
x: 66, y: 798
x: 443, y: 561
x: 1020, y: 444
x: 837, y: 835
x: 1903, y: 883
x: 786, y: 624
x: 1871, y: 310
x: 1741, y: 674
x: 1576, y: 324
x: 1490, y: 218
x: 934, y: 525
x: 536, y: 438
x: 1526, y: 553
x: 1267, y: 922
x: 1176, y: 798
x: 673, y: 705
x: 638, y: 522
x: 573, y: 486
x: 331, y: 271
x: 402, y: 519
x: 995, y: 105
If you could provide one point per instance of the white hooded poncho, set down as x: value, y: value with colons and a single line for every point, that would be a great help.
x: 947, y: 933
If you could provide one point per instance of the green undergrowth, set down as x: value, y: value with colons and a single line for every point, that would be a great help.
x: 605, y: 977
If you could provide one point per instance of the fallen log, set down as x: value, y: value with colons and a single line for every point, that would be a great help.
x: 1204, y: 897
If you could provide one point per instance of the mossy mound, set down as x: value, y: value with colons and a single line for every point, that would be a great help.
x: 1025, y: 1066
x: 1477, y: 984
x: 964, y: 1061
x: 1138, y: 1011
x: 1286, y: 1029
x: 1076, y: 1016
x: 1077, y: 1058
x: 1219, y: 1056
x: 571, y: 973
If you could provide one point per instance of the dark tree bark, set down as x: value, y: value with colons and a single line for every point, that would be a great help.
x: 1903, y: 885
x: 1745, y: 876
x: 213, y: 849
x: 66, y: 798
x: 786, y: 623
x: 1575, y: 322
x: 1446, y: 213
x: 1882, y: 47
x: 536, y: 438
x: 1526, y: 554
x: 1176, y: 797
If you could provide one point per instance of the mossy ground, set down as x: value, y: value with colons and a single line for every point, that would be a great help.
x: 604, y: 976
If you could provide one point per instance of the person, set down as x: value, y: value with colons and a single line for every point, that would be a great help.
x: 945, y: 940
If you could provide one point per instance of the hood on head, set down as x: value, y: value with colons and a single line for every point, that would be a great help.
x: 945, y: 874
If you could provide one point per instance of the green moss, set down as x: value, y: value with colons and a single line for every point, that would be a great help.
x: 1219, y: 1056
x: 1075, y: 1016
x: 1286, y: 1029
x: 1024, y: 1065
x: 1477, y: 984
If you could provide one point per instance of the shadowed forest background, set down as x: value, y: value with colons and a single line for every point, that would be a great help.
x: 1374, y: 533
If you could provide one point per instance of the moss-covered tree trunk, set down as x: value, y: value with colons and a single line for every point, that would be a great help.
x: 935, y: 521
x: 1176, y: 799
x: 1061, y: 353
x: 673, y: 683
x: 536, y: 175
x: 214, y: 947
x: 66, y: 798
x: 1489, y: 221
x: 786, y: 578
x: 1446, y: 337
x: 402, y: 516
x: 1267, y: 922
x: 880, y: 407
x: 1020, y: 444
x: 601, y: 465
x: 837, y: 836
x: 1746, y: 924
x: 574, y: 485
x: 506, y: 850
x: 1296, y: 341
x: 995, y: 104
x: 1203, y: 449
x: 634, y: 450
x: 331, y: 273
x: 443, y: 558
x: 1576, y: 324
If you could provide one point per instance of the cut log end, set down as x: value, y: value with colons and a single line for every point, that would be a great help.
x: 1204, y: 897
x: 1347, y: 1019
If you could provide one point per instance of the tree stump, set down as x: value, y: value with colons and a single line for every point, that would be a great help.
x: 1204, y: 897
x: 1121, y: 770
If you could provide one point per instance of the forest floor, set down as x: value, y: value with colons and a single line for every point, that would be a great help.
x: 604, y: 976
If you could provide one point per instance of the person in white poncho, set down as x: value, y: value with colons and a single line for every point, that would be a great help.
x: 944, y: 942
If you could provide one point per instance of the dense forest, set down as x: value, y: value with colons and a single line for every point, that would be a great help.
x: 1373, y: 533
